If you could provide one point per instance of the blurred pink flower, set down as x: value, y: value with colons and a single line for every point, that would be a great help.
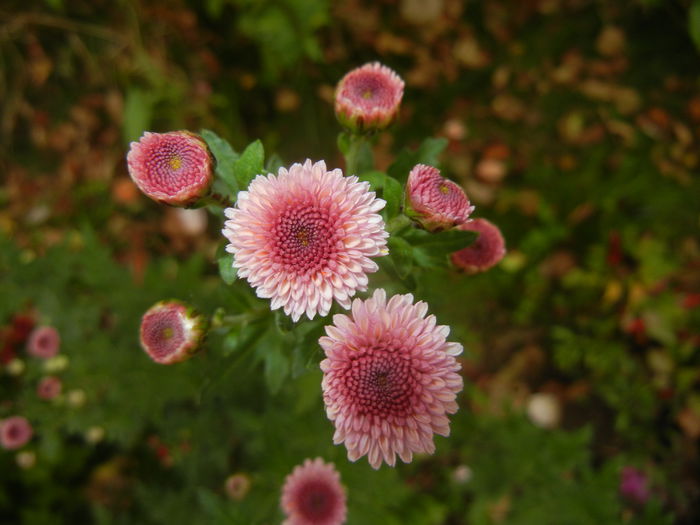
x: 435, y: 202
x: 368, y: 97
x: 173, y: 168
x: 44, y: 342
x: 634, y: 485
x: 49, y: 387
x: 237, y: 486
x: 15, y: 432
x: 171, y: 332
x: 486, y: 251
x: 305, y: 236
x: 389, y: 378
x: 312, y: 495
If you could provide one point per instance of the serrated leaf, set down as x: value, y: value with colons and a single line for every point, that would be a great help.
x: 276, y: 368
x: 226, y: 158
x: 250, y: 164
x: 427, y: 153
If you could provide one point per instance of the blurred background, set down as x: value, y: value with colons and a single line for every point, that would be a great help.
x: 572, y: 124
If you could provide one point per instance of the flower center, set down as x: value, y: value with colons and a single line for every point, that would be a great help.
x: 163, y: 333
x: 367, y: 94
x: 175, y: 162
x: 316, y: 501
x: 303, y: 239
x: 167, y: 332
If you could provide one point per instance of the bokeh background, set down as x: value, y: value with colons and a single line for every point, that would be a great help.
x: 572, y: 124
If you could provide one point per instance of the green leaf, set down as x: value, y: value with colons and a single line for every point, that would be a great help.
x: 694, y: 23
x: 447, y: 241
x: 401, y: 253
x: 386, y: 188
x: 276, y: 368
x: 225, y: 157
x: 226, y: 270
x: 427, y: 153
x: 138, y: 109
x: 250, y: 164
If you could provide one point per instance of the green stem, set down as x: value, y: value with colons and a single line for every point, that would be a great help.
x: 352, y: 157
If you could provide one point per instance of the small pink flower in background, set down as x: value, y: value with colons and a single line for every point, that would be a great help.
x: 368, y: 97
x: 634, y: 485
x: 237, y: 486
x: 173, y: 168
x: 305, y: 237
x: 44, y: 342
x: 49, y: 387
x: 171, y: 332
x: 486, y: 251
x: 389, y: 378
x: 435, y: 202
x: 15, y: 432
x: 312, y: 495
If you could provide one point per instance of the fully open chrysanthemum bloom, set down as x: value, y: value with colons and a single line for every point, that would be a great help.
x: 171, y: 332
x: 312, y: 495
x: 486, y: 251
x: 44, y: 342
x: 368, y: 97
x: 15, y: 431
x: 305, y: 236
x: 389, y: 378
x: 173, y: 168
x: 435, y: 202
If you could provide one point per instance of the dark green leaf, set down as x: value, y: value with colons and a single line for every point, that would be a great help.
x: 250, y: 164
x: 401, y: 253
x: 225, y: 157
x: 276, y: 368
x: 393, y: 195
x: 427, y: 153
x: 694, y: 23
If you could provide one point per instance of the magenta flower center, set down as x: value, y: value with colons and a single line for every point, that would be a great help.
x: 316, y: 501
x: 303, y: 239
x: 381, y: 383
x: 163, y: 333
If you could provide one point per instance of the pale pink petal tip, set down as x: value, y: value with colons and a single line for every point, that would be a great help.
x: 390, y: 379
x: 306, y: 237
x: 485, y: 252
x: 436, y: 203
x: 368, y: 97
x: 15, y: 432
x: 44, y: 342
x: 312, y: 495
x: 173, y: 168
x: 171, y: 332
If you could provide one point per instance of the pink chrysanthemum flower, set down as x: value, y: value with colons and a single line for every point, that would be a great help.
x: 44, y: 342
x: 305, y: 236
x: 389, y: 378
x: 173, y: 168
x: 634, y: 485
x: 49, y: 387
x: 312, y: 495
x: 171, y: 332
x: 486, y: 251
x: 368, y: 97
x: 436, y: 203
x: 15, y: 432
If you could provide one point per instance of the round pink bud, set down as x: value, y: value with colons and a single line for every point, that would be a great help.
x: 312, y: 495
x: 368, y: 98
x: 44, y: 342
x: 237, y: 486
x: 634, y: 485
x: 390, y: 378
x: 434, y: 202
x: 173, y: 168
x: 49, y: 387
x: 15, y: 432
x: 171, y: 332
x: 486, y: 251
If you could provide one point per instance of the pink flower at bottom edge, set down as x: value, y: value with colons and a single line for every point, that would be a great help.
x: 390, y: 379
x: 15, y: 432
x: 312, y: 495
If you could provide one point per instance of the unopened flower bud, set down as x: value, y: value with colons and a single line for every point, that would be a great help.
x: 237, y: 486
x: 368, y: 98
x: 544, y: 410
x: 434, y: 202
x: 174, y: 168
x: 172, y: 332
x: 486, y: 251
